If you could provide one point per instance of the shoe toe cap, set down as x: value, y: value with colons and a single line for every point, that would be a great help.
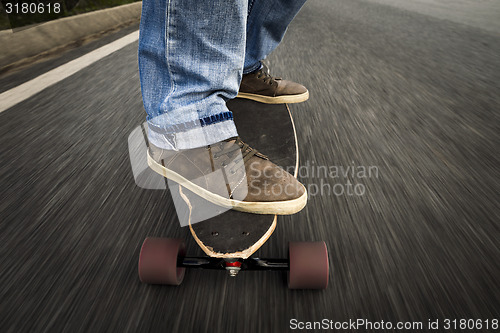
x: 268, y: 182
x: 291, y: 88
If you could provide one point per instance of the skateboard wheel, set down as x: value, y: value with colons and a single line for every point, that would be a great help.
x: 158, y: 261
x: 309, y: 267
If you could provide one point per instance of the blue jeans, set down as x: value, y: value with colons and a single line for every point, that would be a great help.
x: 192, y: 54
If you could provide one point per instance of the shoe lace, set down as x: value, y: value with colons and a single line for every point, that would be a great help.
x: 246, y: 151
x: 263, y: 74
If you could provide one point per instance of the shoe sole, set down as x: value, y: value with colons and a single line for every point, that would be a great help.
x: 287, y: 207
x: 290, y: 99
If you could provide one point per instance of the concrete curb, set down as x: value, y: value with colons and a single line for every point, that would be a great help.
x: 57, y: 34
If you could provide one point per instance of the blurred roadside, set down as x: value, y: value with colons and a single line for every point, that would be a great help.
x: 39, y: 41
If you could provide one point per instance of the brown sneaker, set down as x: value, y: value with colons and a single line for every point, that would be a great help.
x: 260, y: 86
x: 231, y: 174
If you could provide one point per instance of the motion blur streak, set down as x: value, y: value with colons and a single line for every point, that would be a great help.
x: 32, y: 87
x: 412, y: 94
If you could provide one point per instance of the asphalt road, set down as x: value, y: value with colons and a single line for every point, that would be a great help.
x: 414, y: 96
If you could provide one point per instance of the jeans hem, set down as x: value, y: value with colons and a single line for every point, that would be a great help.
x: 253, y: 68
x: 195, y: 137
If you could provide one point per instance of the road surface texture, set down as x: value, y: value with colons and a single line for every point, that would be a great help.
x: 414, y: 96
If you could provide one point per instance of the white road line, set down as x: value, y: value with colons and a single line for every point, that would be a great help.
x: 24, y: 91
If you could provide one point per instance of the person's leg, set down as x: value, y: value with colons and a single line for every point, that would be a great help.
x: 190, y: 64
x: 191, y: 56
x: 266, y: 25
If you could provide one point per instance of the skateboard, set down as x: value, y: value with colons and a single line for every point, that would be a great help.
x: 230, y: 238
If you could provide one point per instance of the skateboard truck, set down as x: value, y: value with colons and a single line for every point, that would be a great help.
x: 251, y: 264
x: 233, y: 267
x: 164, y: 261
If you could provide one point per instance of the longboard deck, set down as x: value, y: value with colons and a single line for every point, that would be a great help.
x: 268, y: 128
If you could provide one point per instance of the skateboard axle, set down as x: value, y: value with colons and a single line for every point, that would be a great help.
x: 244, y: 264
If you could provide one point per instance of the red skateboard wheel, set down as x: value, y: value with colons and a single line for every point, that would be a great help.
x: 309, y: 268
x: 158, y: 261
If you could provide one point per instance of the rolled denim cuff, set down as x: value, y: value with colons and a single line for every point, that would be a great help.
x: 195, y: 137
x: 252, y: 68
